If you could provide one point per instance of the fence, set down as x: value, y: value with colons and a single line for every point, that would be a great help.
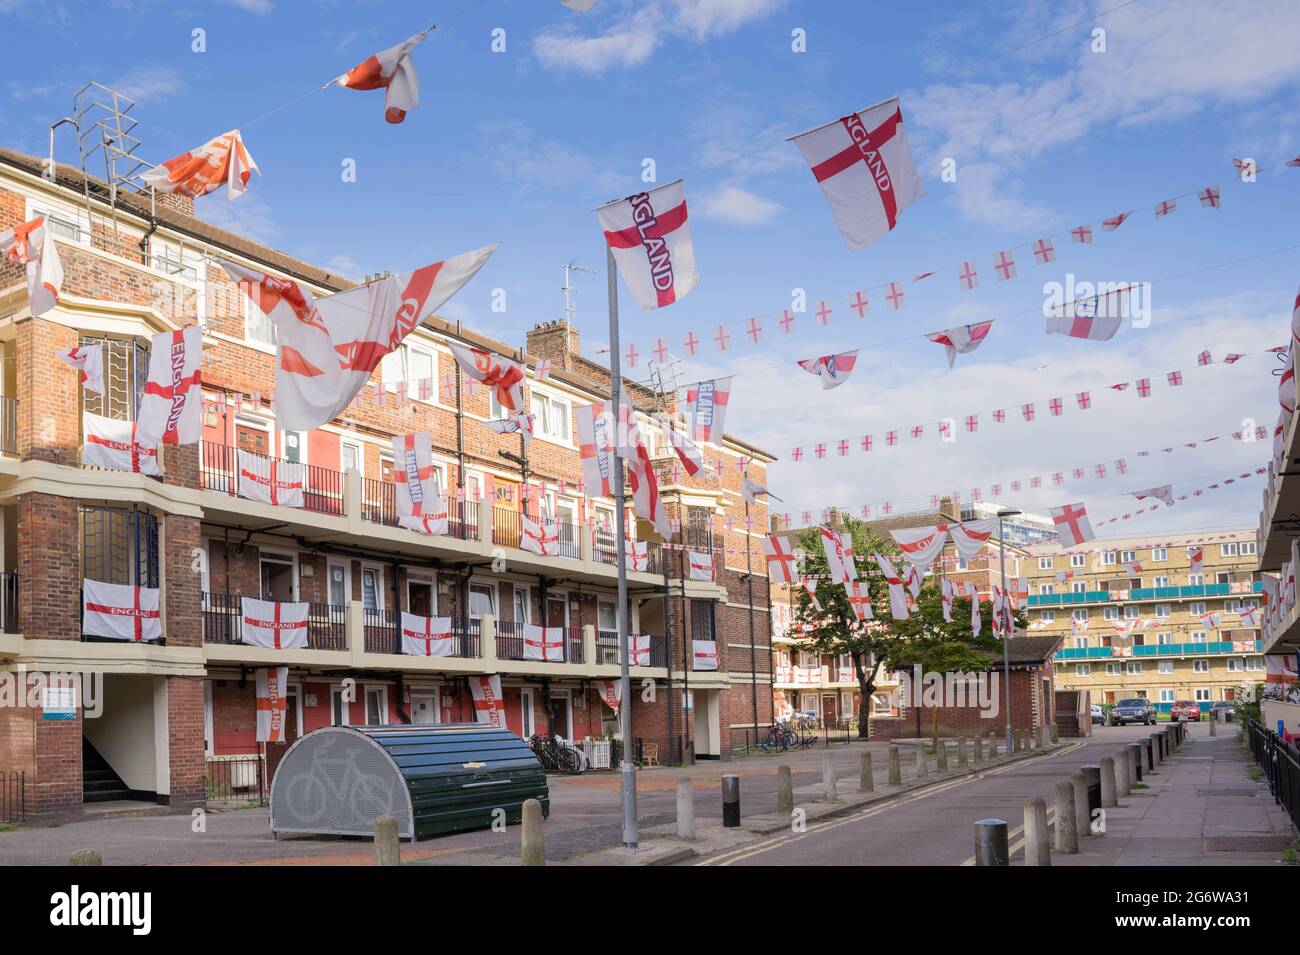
x: 13, y: 797
x: 8, y: 425
x: 381, y: 634
x: 1280, y: 762
x: 510, y: 642
x: 651, y: 751
x: 326, y: 623
x: 236, y: 779
x: 379, y: 506
x: 322, y: 487
x: 785, y: 736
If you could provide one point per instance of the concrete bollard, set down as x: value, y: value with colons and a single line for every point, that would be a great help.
x: 1149, y: 749
x: 532, y: 845
x: 828, y: 779
x: 1037, y: 850
x: 961, y: 751
x: 991, y: 843
x: 1158, y: 747
x: 1092, y: 775
x: 922, y: 764
x: 387, y: 849
x: 993, y: 745
x: 1134, y: 763
x: 1056, y: 734
x: 1082, y: 819
x: 685, y: 808
x: 1040, y: 741
x: 85, y: 857
x: 866, y: 781
x: 731, y: 802
x: 895, y: 765
x: 941, y: 755
x: 1067, y: 830
x: 1108, y: 800
x: 979, y: 749
x: 784, y: 791
x: 1123, y: 783
x: 1214, y: 725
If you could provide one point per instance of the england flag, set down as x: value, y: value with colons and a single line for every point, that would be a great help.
x: 652, y: 244
x: 960, y: 340
x: 700, y: 565
x: 89, y: 362
x: 1096, y: 318
x: 221, y: 161
x: 270, y: 480
x: 708, y: 406
x: 704, y: 655
x: 540, y: 537
x: 489, y: 704
x: 596, y: 448
x: 897, y: 595
x: 1072, y: 525
x: 113, y: 444
x: 274, y: 624
x: 504, y: 376
x: 171, y: 411
x: 833, y: 370
x: 31, y: 245
x: 417, y: 482
x: 920, y: 545
x: 426, y: 636
x: 1164, y: 492
x: 120, y: 611
x: 840, y: 562
x: 393, y: 71
x: 543, y: 643
x: 865, y: 167
x: 272, y: 692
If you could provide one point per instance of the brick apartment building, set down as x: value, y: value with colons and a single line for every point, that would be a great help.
x: 171, y: 709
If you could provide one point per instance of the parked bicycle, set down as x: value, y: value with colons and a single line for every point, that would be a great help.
x: 554, y: 757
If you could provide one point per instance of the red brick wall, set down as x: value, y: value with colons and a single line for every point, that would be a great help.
x: 49, y: 566
x: 958, y: 721
x: 185, y: 741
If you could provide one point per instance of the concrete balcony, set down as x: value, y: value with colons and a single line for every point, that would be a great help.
x: 1146, y: 594
x: 1161, y: 650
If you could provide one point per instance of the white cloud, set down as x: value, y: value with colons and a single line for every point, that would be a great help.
x: 248, y: 216
x: 259, y: 7
x: 738, y: 206
x: 533, y: 161
x: 150, y: 84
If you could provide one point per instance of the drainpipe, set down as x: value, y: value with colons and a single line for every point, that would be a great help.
x: 402, y: 714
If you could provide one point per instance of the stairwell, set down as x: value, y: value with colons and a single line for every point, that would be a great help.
x: 99, y: 783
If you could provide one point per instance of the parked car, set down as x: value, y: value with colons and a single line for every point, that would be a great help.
x: 1186, y: 709
x: 1098, y: 715
x: 1134, y: 710
x: 1225, y: 711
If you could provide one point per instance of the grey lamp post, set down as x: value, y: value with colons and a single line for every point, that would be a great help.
x: 1006, y: 637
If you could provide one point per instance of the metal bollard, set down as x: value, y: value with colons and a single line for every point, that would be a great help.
x: 1067, y: 831
x: 532, y: 847
x: 784, y: 791
x: 685, y: 808
x: 828, y: 779
x: 991, y: 842
x: 387, y: 851
x: 895, y: 765
x: 1037, y: 850
x: 866, y: 781
x: 1082, y: 819
x: 1107, y: 782
x: 730, y: 802
x: 1039, y: 739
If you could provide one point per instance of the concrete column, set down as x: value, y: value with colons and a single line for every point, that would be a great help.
x: 532, y: 847
x: 1108, y: 800
x: 991, y: 843
x: 1067, y: 830
x: 1082, y: 822
x: 1039, y: 739
x: 895, y: 765
x: 1134, y: 763
x: 387, y: 851
x: 589, y: 642
x: 828, y: 779
x: 685, y: 808
x: 485, y: 525
x: 922, y: 764
x: 1214, y: 725
x: 979, y: 749
x: 1037, y: 850
x: 941, y: 755
x: 784, y: 791
x: 866, y: 781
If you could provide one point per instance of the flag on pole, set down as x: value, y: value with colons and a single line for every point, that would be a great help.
x: 647, y: 503
x: 652, y: 246
x: 221, y: 161
x: 708, y: 405
x: 31, y: 245
x: 865, y: 168
x: 171, y: 411
x: 391, y: 70
x: 750, y: 490
x: 833, y: 370
x: 782, y: 566
x: 89, y: 362
x: 961, y: 339
x: 596, y: 448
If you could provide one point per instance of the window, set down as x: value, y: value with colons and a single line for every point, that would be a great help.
x: 258, y: 327
x: 338, y: 707
x: 1128, y: 556
x: 553, y: 417
x: 525, y: 710
x: 1236, y: 665
x: 1165, y: 666
x: 1132, y: 612
x: 420, y: 365
x: 279, y: 574
x: 1079, y: 587
x: 339, y: 583
x: 1080, y: 643
x: 1079, y: 615
x: 1044, y: 563
x: 962, y: 563
x: 606, y: 616
x: 1232, y: 606
x: 372, y: 588
x: 1248, y: 548
x: 1047, y: 588
x: 1196, y: 608
x: 1200, y: 666
x: 1078, y: 560
x: 1195, y: 580
x: 1159, y: 581
x: 376, y: 705
x: 702, y: 620
x: 1047, y: 616
x: 62, y: 225
x: 1202, y: 694
x: 482, y: 601
x: 1133, y: 667
x: 523, y: 606
x: 1112, y: 669
x: 1254, y: 663
x: 1162, y: 610
x: 1107, y: 557
x: 1109, y: 613
x: 1165, y: 638
x: 1159, y: 554
x: 1228, y: 550
x: 1196, y: 636
x: 1166, y: 696
x: 1082, y: 669
x: 352, y: 458
x: 421, y: 593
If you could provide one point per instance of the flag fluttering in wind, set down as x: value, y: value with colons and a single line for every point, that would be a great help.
x: 865, y: 168
x: 920, y: 545
x: 520, y: 424
x: 596, y: 448
x: 833, y: 370
x: 897, y: 596
x: 223, y: 161
x: 171, y: 411
x: 1163, y: 493
x: 961, y: 339
x: 708, y: 405
x: 1072, y: 525
x: 89, y: 362
x: 32, y: 245
x: 688, y: 452
x: 840, y: 563
x: 976, y: 625
x: 782, y: 565
x: 652, y: 244
x: 391, y: 70
x: 750, y: 490
x: 1096, y: 318
x: 502, y: 374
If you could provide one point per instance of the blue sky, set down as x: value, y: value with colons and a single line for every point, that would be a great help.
x: 520, y: 146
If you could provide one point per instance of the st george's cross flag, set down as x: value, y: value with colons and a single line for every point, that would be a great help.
x: 272, y: 701
x: 1096, y: 317
x: 417, y: 482
x: 688, y: 452
x: 393, y: 71
x: 489, y: 704
x: 595, y: 427
x: 503, y: 376
x: 960, y: 339
x: 540, y: 537
x: 611, y: 693
x: 171, y: 411
x: 865, y: 168
x: 426, y: 636
x: 699, y: 564
x: 223, y: 161
x: 1250, y: 617
x: 520, y: 424
x: 639, y: 646
x: 1072, y: 526
x: 120, y: 611
x: 782, y: 566
x: 840, y: 562
x: 897, y: 596
x: 1196, y: 558
x: 1164, y: 492
x: 707, y: 401
x: 89, y: 362
x: 859, y: 596
x: 274, y: 624
x: 946, y: 592
x: 750, y: 490
x: 636, y: 556
x: 833, y: 370
x: 704, y: 655
x: 543, y: 643
x: 434, y: 518
x: 271, y: 480
x: 647, y: 502
x: 969, y: 537
x: 651, y: 240
x: 110, y: 443
x: 31, y: 245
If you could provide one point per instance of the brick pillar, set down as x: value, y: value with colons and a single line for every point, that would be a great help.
x: 49, y: 424
x: 186, y: 759
x: 183, y: 582
x: 49, y: 550
x: 47, y: 752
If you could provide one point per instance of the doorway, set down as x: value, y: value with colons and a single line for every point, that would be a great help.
x: 279, y: 577
x: 420, y: 596
x: 562, y: 713
x: 275, y: 751
x: 424, y: 707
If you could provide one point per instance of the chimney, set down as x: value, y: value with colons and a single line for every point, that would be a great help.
x: 555, y: 340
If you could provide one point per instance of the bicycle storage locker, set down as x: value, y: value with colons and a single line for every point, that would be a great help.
x: 432, y: 779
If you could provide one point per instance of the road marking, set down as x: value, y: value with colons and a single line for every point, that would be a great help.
x: 746, y: 852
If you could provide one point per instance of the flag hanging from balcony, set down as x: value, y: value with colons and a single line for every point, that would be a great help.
x: 540, y: 537
x: 639, y: 646
x: 112, y: 444
x: 221, y: 161
x: 833, y: 370
x: 272, y: 690
x: 520, y: 424
x: 426, y: 636
x: 708, y: 406
x: 865, y: 168
x: 489, y: 704
x: 704, y: 655
x: 976, y: 625
x: 543, y: 643
x: 636, y: 555
x: 416, y: 479
x: 782, y: 566
x: 897, y: 596
x: 171, y: 411
x: 271, y: 480
x: 435, y: 518
x: 89, y: 361
x: 393, y: 71
x: 32, y: 245
x: 651, y: 240
x: 274, y: 624
x: 611, y: 692
x: 700, y: 565
x: 840, y: 563
x: 120, y: 611
x: 494, y: 371
x: 961, y: 339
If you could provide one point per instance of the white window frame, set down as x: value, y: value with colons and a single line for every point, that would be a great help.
x: 1200, y: 666
x: 431, y: 692
x: 1167, y: 696
x: 346, y: 565
x: 345, y: 708
x: 382, y: 691
x: 1165, y: 666
x: 1045, y: 563
x: 282, y: 557
x: 496, y: 597
x: 1203, y: 694
x: 381, y: 584
x: 1159, y: 554
x: 360, y: 448
x: 1078, y: 560
x: 1132, y: 667
x: 1083, y: 669
x: 544, y: 405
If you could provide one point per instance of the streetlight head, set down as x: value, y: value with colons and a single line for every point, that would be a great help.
x: 1008, y: 513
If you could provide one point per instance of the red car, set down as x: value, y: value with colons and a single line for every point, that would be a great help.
x: 1189, y: 709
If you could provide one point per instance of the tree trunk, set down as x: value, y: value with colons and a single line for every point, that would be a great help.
x: 866, y: 686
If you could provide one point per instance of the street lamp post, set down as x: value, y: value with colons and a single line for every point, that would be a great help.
x: 1006, y: 636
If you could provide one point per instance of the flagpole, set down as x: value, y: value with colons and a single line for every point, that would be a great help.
x: 627, y: 776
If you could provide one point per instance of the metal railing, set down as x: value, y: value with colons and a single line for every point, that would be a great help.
x: 607, y: 649
x: 1280, y: 762
x: 8, y: 425
x: 219, y: 471
x: 651, y: 751
x: 379, y: 506
x: 507, y: 529
x: 382, y: 634
x: 9, y: 602
x: 510, y: 642
x: 326, y: 623
x: 236, y: 779
x: 13, y: 797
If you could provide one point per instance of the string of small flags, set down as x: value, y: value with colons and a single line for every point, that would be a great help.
x: 945, y: 428
x: 1200, y: 491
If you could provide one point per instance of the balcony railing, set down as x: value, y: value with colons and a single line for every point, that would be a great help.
x: 604, y: 550
x: 219, y: 471
x: 326, y: 623
x: 1145, y: 593
x: 9, y: 602
x: 379, y: 506
x: 510, y: 642
x: 607, y: 649
x: 1204, y: 648
x: 382, y: 634
x: 8, y: 425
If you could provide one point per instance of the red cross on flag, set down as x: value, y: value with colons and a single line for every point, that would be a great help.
x: 520, y: 424
x: 1166, y: 207
x: 700, y: 565
x: 704, y: 655
x: 1163, y: 493
x: 1196, y: 557
x: 393, y: 71
x: 120, y: 611
x: 969, y: 537
x: 1044, y: 251
x: 218, y: 162
x: 543, y: 643
x: 897, y: 596
x: 489, y: 704
x: 272, y: 702
x: 652, y: 244
x: 639, y: 646
x: 31, y: 245
x: 434, y: 517
x: 113, y: 444
x: 540, y: 537
x: 89, y: 362
x: 270, y: 480
x: 833, y: 370
x: 865, y: 167
x: 501, y: 374
x: 274, y: 624
x: 1250, y: 618
x: 782, y: 566
x: 596, y: 448
x: 838, y: 548
x: 171, y: 411
x: 860, y: 600
x: 636, y: 555
x: 708, y: 406
x: 976, y: 624
x: 688, y: 452
x: 961, y: 339
x: 611, y: 692
x: 417, y: 482
x: 1096, y: 317
x: 647, y: 503
x: 946, y: 592
x: 1114, y: 222
x: 1072, y: 527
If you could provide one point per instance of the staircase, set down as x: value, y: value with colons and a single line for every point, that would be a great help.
x: 98, y: 781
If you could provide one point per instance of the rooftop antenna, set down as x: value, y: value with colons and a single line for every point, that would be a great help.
x: 104, y: 124
x: 567, y: 287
